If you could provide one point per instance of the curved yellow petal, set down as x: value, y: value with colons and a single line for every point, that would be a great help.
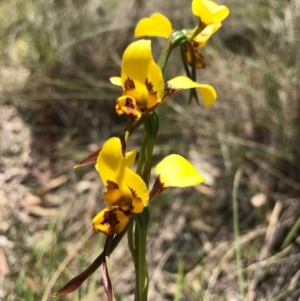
x: 116, y: 197
x: 139, y: 191
x: 123, y: 185
x: 157, y: 25
x: 209, y: 11
x: 140, y: 72
x: 208, y: 94
x: 111, y: 163
x: 201, y: 39
x: 176, y: 171
x: 182, y: 82
x: 116, y: 80
x: 130, y: 158
x: 112, y: 220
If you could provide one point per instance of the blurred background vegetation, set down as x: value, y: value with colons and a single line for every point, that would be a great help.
x: 57, y: 106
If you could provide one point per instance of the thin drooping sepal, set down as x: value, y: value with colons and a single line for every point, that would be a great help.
x: 90, y: 159
x: 76, y: 282
x: 106, y: 269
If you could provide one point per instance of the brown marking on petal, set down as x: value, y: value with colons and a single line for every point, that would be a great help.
x: 149, y: 87
x: 129, y: 105
x: 127, y: 212
x: 143, y: 110
x: 129, y: 84
x: 133, y: 192
x: 110, y: 220
x: 169, y: 91
x: 130, y: 108
x: 111, y: 185
x: 158, y: 187
x: 123, y: 144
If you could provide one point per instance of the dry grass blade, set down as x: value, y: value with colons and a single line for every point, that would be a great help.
x: 66, y: 261
x: 225, y: 259
x: 264, y: 251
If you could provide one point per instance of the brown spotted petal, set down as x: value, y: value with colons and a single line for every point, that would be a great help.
x: 112, y: 219
x: 128, y: 105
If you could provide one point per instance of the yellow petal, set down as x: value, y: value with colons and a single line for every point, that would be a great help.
x: 176, y: 171
x: 114, y: 196
x: 139, y: 191
x: 182, y: 82
x: 208, y: 94
x: 111, y: 163
x: 219, y: 12
x: 201, y: 39
x: 157, y: 25
x: 116, y: 80
x: 130, y: 158
x: 140, y: 72
x: 209, y: 11
x: 123, y: 184
x: 128, y: 105
x: 112, y: 220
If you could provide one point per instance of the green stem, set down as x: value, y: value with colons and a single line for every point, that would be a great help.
x: 130, y: 238
x: 185, y: 65
x: 148, y: 161
x: 235, y: 205
x: 291, y: 234
x: 117, y: 238
x: 142, y: 272
x: 128, y: 128
x: 165, y: 54
x: 200, y: 27
x: 142, y: 156
x: 193, y: 62
x: 138, y: 123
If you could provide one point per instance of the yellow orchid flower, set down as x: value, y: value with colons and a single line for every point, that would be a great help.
x: 126, y: 192
x: 209, y: 11
x: 210, y: 14
x: 143, y: 84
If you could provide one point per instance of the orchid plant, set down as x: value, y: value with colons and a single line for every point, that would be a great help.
x: 144, y: 88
